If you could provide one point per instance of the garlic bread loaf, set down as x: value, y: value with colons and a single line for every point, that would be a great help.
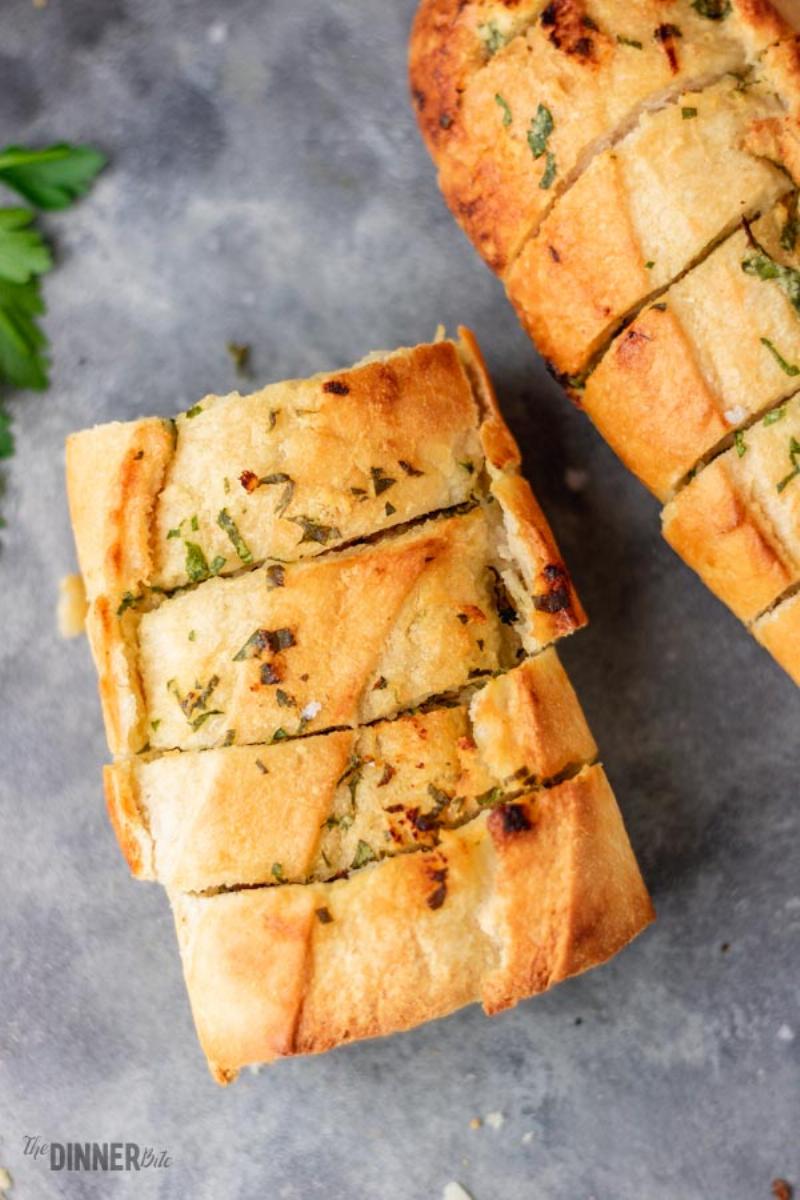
x: 632, y: 172
x: 324, y: 641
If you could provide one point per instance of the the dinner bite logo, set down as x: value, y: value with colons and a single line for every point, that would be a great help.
x: 94, y: 1156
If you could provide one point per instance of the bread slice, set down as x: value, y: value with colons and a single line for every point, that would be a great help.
x: 284, y: 473
x: 645, y: 211
x: 314, y: 807
x: 721, y: 347
x: 359, y: 725
x: 647, y: 234
x: 511, y: 903
x: 737, y: 523
x: 515, y: 100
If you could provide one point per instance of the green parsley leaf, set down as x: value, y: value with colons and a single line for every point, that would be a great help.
x: 542, y: 126
x: 52, y: 177
x: 714, y: 10
x: 740, y: 443
x: 776, y: 415
x: 226, y: 522
x: 687, y: 113
x: 196, y: 563
x: 23, y: 363
x: 23, y: 252
x: 277, y: 871
x: 492, y: 37
x: 794, y: 458
x: 766, y: 268
x: 507, y: 116
x: 6, y: 436
x: 364, y: 854
x: 626, y: 41
x: 787, y: 367
x: 549, y: 172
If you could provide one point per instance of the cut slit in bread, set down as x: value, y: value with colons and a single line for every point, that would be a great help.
x: 645, y: 210
x: 720, y: 348
x: 315, y: 807
x: 632, y: 279
x: 518, y: 899
x: 737, y: 523
x: 511, y: 130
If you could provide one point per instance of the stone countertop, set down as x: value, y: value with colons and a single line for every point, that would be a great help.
x: 268, y: 186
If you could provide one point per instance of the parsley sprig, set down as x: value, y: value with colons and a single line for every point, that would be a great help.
x: 49, y: 179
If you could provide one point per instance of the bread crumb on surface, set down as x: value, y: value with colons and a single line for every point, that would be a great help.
x: 6, y: 1182
x: 495, y: 1120
x: 527, y: 1138
x: 217, y: 33
x: 475, y: 1123
x: 454, y: 1191
x: 782, y: 1190
x: 71, y: 606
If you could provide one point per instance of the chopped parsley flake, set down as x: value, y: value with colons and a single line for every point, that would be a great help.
x: 687, y: 113
x: 714, y: 10
x: 776, y: 415
x: 766, y: 268
x: 194, y: 411
x: 794, y: 458
x: 277, y: 871
x: 408, y: 468
x: 381, y: 482
x: 626, y: 41
x: 542, y: 126
x: 507, y: 117
x: 364, y: 854
x: 740, y: 443
x: 196, y: 563
x: 128, y: 601
x: 492, y: 37
x: 787, y: 367
x: 227, y: 523
x: 313, y: 531
x: 549, y: 172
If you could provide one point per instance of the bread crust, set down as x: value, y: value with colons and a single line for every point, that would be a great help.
x: 738, y: 524
x: 593, y: 66
x: 690, y: 370
x: 779, y: 632
x: 315, y: 805
x: 334, y: 448
x: 508, y: 905
x: 637, y: 210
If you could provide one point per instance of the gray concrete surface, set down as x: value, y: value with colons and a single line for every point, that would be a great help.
x: 268, y: 186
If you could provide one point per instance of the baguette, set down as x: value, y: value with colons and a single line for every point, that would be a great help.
x: 347, y: 723
x: 647, y: 234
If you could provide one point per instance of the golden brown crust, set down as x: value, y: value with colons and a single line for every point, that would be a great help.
x: 450, y: 41
x: 779, y: 632
x: 114, y: 476
x: 701, y: 363
x: 315, y: 805
x: 592, y: 66
x: 490, y: 914
x: 636, y: 212
x: 737, y: 523
x: 345, y: 454
x: 649, y: 399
